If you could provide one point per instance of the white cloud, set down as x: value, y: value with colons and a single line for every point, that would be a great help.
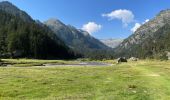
x: 147, y: 20
x: 137, y: 25
x: 91, y: 27
x: 126, y: 16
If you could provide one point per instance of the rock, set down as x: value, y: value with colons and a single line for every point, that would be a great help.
x: 168, y: 55
x: 121, y: 59
x: 133, y: 59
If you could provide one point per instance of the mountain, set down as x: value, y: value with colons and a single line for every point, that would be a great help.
x: 79, y: 40
x: 12, y: 9
x: 21, y: 36
x: 113, y: 43
x: 150, y: 40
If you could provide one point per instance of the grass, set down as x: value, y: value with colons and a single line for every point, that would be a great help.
x: 142, y: 80
x: 35, y: 62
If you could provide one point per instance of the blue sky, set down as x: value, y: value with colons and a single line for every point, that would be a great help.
x: 88, y: 13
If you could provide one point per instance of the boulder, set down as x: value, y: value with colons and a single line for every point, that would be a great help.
x: 121, y: 59
x: 168, y: 55
x: 133, y: 59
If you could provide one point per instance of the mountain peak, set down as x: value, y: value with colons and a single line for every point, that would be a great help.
x: 166, y: 10
x: 53, y: 19
x: 12, y: 9
x: 6, y: 2
x: 54, y: 22
x: 164, y: 13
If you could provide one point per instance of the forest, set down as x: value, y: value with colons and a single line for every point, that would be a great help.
x: 19, y: 38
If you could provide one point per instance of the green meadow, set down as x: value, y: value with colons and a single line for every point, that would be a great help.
x: 141, y: 80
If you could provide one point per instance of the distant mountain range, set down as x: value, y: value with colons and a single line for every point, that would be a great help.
x: 113, y: 43
x: 20, y: 35
x: 150, y: 40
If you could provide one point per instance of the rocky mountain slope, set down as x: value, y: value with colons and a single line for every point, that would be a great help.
x: 150, y: 40
x: 79, y: 40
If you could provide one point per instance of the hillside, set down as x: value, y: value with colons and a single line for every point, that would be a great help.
x: 151, y: 40
x: 21, y: 36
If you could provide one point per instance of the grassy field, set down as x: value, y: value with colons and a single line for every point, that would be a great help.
x: 142, y: 80
x: 35, y: 62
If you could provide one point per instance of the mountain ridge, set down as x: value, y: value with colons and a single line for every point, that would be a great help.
x: 146, y: 36
x: 77, y: 39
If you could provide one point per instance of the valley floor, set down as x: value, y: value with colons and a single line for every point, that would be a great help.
x: 142, y: 80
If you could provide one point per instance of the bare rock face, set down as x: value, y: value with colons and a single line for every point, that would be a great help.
x: 147, y: 32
